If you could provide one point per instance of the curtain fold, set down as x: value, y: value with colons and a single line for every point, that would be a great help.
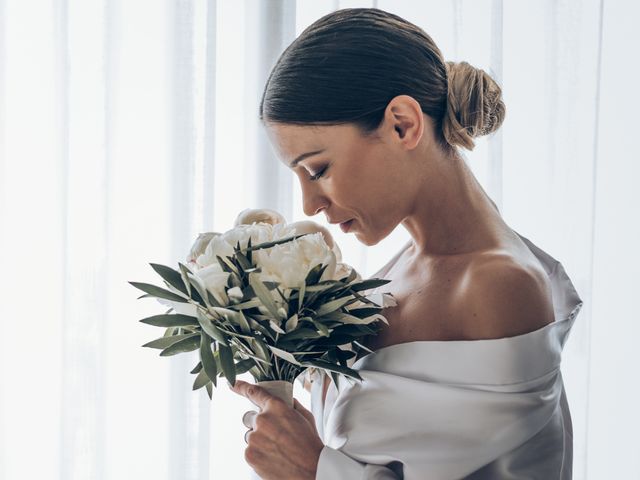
x: 127, y: 128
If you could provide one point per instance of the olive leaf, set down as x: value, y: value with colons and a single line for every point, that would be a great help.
x: 174, y: 320
x: 159, y: 292
x: 187, y: 344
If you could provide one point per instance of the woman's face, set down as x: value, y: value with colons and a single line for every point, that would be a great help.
x: 350, y: 176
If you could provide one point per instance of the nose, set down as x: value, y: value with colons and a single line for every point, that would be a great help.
x: 312, y: 201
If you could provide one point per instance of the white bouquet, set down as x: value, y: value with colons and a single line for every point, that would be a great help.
x: 271, y: 298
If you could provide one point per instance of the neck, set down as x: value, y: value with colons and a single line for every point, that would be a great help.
x: 452, y: 214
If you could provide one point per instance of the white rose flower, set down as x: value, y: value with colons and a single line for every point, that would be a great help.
x: 259, y: 215
x: 289, y: 263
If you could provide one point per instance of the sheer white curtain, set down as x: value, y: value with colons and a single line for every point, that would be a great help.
x: 126, y: 128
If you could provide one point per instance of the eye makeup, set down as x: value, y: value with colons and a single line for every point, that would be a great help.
x: 315, y: 177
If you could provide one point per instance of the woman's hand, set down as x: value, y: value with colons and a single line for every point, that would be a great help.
x: 284, y: 443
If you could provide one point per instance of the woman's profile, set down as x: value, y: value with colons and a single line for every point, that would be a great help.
x: 465, y: 380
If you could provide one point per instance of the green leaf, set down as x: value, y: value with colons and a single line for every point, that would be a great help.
x: 276, y: 327
x: 301, y: 296
x: 300, y: 333
x: 284, y: 355
x: 159, y: 292
x: 332, y: 367
x: 243, y: 261
x: 345, y: 318
x: 209, y: 390
x: 173, y: 320
x: 324, y: 331
x: 211, y: 329
x: 164, y: 342
x: 363, y: 347
x: 261, y: 349
x: 208, y: 361
x: 255, y: 357
x: 201, y: 380
x: 197, y: 368
x: 333, y: 305
x: 249, y: 251
x: 314, y: 275
x: 171, y: 276
x: 226, y: 265
x: 254, y: 302
x: 188, y: 344
x: 322, y: 286
x: 184, y: 275
x: 243, y: 322
x: 244, y: 366
x: 199, y: 287
x: 352, y: 275
x: 292, y: 323
x: 369, y: 284
x: 255, y: 325
x: 226, y: 362
x: 363, y: 312
x: 263, y: 294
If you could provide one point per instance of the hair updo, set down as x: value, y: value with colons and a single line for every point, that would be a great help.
x: 348, y: 65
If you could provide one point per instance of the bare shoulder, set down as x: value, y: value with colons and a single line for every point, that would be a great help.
x: 501, y: 297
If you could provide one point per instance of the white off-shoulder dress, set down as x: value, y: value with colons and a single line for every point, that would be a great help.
x: 441, y: 410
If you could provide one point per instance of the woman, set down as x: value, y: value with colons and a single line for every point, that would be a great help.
x: 465, y: 381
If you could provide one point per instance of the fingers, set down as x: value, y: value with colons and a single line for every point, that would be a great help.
x: 258, y: 395
x: 305, y: 413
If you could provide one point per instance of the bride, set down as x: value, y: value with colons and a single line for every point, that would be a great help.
x: 465, y: 380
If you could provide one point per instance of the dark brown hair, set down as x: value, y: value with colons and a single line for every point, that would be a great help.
x: 348, y: 65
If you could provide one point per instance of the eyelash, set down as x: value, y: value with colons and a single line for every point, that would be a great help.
x: 315, y: 177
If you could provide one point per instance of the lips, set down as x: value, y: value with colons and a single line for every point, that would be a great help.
x: 345, y: 225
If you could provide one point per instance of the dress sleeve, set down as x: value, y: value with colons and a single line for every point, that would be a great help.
x: 335, y: 465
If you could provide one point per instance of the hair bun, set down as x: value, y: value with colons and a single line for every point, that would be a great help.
x: 474, y: 105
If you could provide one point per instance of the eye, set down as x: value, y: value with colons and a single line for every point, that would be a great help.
x: 315, y: 177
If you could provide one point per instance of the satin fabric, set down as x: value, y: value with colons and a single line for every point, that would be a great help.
x: 441, y: 410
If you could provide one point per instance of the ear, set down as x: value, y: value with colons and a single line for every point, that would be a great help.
x: 405, y: 120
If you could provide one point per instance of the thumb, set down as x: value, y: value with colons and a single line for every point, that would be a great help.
x: 304, y: 412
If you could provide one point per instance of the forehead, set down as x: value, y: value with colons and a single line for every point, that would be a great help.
x: 290, y: 141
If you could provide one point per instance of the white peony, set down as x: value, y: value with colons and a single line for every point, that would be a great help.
x: 307, y: 226
x: 289, y: 263
x: 224, y: 244
x: 199, y: 247
x: 215, y: 280
x: 259, y: 215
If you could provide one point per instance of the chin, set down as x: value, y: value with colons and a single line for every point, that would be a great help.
x: 365, y: 240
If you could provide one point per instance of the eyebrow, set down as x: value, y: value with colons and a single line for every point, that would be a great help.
x: 305, y: 155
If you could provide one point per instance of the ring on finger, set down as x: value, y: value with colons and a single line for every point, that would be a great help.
x: 248, y: 418
x: 246, y: 434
